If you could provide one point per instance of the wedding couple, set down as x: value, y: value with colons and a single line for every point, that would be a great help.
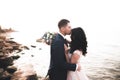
x: 65, y: 63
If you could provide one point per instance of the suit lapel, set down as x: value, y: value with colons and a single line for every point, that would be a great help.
x: 64, y: 40
x: 61, y: 37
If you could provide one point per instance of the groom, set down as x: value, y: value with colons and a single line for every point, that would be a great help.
x: 58, y: 64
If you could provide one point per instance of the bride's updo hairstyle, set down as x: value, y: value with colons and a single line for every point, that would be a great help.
x: 79, y: 41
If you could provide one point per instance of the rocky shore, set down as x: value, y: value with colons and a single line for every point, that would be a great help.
x: 10, y: 52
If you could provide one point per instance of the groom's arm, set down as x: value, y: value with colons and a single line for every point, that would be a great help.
x: 58, y: 55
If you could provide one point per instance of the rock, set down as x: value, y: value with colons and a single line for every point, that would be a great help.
x: 1, y: 44
x: 25, y: 47
x: 15, y: 47
x: 33, y: 46
x: 19, y: 50
x: 1, y: 54
x: 1, y: 71
x: 6, y: 76
x: 25, y: 72
x: 7, y: 49
x: 11, y: 38
x: 43, y: 78
x: 32, y: 55
x: 40, y: 48
x: 22, y: 53
x: 5, y: 61
x: 2, y: 38
x: 15, y: 57
x: 7, y: 45
x: 18, y: 76
x: 6, y: 30
x: 32, y: 77
x: 11, y: 69
x: 40, y: 40
x: 11, y: 42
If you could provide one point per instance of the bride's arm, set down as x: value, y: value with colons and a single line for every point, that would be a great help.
x: 75, y: 57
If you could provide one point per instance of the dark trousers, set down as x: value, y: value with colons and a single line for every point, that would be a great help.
x: 58, y: 75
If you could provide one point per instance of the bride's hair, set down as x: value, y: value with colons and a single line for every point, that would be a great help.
x: 79, y: 41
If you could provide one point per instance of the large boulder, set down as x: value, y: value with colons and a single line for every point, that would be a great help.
x: 1, y: 71
x: 11, y: 69
x: 6, y: 76
x: 15, y: 57
x: 5, y: 61
x: 32, y: 77
x: 25, y: 72
x: 7, y: 46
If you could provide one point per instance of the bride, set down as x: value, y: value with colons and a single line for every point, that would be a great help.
x: 78, y: 47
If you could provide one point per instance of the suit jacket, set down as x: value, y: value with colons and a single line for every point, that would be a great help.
x: 58, y: 64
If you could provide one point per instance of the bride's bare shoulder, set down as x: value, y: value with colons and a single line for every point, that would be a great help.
x: 78, y: 52
x: 76, y: 56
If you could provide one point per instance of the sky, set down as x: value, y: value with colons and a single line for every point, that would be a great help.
x: 99, y: 18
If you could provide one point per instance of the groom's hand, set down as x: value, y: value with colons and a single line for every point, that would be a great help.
x: 78, y: 67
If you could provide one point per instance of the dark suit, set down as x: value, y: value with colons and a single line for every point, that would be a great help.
x: 58, y: 64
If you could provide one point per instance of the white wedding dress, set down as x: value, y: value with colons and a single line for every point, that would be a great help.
x: 77, y: 75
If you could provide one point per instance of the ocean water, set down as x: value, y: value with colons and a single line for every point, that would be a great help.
x: 101, y: 63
